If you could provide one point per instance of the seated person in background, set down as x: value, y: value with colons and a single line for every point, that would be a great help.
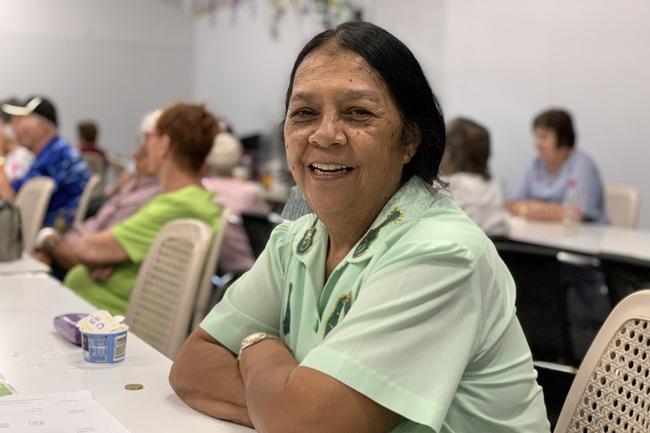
x: 147, y: 126
x: 239, y: 196
x: 88, y: 131
x: 387, y: 309
x: 465, y: 166
x: 558, y: 167
x: 16, y: 158
x: 58, y: 250
x: 540, y: 196
x: 176, y: 150
x: 35, y: 126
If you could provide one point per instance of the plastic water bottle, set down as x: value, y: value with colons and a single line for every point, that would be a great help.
x: 571, y: 208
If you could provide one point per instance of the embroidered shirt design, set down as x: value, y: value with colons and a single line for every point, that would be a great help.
x: 341, y: 308
x: 394, y: 216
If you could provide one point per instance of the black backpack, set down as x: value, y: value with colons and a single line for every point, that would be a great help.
x: 11, y: 234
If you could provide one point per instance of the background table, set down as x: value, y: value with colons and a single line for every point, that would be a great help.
x: 35, y: 359
x: 26, y: 264
x: 587, y: 238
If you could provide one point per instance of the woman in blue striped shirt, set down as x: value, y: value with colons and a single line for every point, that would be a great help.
x: 558, y: 167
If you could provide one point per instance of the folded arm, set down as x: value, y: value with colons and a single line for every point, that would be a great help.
x: 539, y: 210
x: 99, y: 249
x: 283, y: 397
x: 205, y: 375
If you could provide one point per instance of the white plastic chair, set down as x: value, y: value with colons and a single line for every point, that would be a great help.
x: 622, y: 204
x: 95, y: 162
x: 84, y: 200
x: 211, y: 261
x: 32, y: 200
x: 116, y: 166
x: 611, y: 392
x: 162, y: 302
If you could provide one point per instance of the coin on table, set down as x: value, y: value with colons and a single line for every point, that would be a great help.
x: 133, y: 386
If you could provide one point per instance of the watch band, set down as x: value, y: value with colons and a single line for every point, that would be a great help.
x: 256, y: 338
x: 50, y: 243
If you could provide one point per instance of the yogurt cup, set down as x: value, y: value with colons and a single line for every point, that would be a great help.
x: 108, y: 347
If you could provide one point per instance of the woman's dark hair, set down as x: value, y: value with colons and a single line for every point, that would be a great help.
x: 560, y: 122
x: 401, y: 72
x: 468, y: 147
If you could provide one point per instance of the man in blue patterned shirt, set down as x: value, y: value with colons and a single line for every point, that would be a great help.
x: 36, y: 128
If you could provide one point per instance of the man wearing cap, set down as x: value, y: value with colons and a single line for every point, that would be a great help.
x: 35, y: 126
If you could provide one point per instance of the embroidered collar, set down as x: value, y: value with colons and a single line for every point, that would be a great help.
x: 407, y: 204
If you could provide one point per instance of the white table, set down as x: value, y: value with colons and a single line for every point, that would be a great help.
x: 25, y: 265
x: 587, y: 238
x: 35, y: 359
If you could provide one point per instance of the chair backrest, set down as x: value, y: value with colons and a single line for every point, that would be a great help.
x: 32, y: 200
x: 624, y: 275
x: 258, y: 229
x: 611, y: 392
x: 622, y: 204
x: 84, y: 200
x: 209, y: 269
x: 116, y: 166
x: 95, y: 162
x: 162, y: 301
x: 536, y: 271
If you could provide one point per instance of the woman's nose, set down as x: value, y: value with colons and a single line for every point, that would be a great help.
x: 328, y: 132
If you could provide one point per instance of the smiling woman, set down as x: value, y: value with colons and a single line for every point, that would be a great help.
x: 386, y: 309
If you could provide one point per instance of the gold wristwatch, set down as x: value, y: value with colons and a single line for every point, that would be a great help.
x: 256, y: 338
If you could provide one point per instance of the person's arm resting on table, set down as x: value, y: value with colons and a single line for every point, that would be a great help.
x: 283, y: 397
x: 205, y: 375
x: 537, y: 210
x: 267, y: 386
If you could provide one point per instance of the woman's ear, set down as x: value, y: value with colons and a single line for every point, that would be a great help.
x: 165, y: 145
x: 411, y: 139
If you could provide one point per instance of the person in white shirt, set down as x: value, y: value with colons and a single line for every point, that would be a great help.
x: 465, y: 166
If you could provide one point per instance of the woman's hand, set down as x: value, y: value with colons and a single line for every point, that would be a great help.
x: 536, y: 210
x: 101, y: 273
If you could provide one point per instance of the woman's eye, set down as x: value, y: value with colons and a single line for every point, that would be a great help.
x: 302, y: 113
x: 359, y: 113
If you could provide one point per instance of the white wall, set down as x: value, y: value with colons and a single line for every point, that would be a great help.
x: 506, y: 60
x: 243, y: 73
x: 500, y: 62
x: 107, y: 60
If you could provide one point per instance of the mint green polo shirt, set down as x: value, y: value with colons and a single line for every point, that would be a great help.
x: 135, y: 235
x: 419, y: 316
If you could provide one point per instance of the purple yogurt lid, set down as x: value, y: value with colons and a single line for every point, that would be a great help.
x: 66, y: 325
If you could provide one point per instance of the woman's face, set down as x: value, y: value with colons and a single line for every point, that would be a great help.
x: 547, y: 149
x: 156, y: 146
x: 140, y: 156
x: 343, y: 133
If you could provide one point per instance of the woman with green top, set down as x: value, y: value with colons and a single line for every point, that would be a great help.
x: 385, y: 310
x: 110, y: 259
